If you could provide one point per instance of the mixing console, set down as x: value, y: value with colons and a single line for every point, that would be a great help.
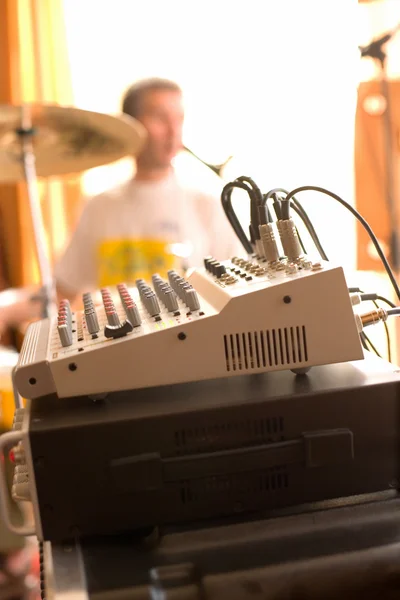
x: 228, y: 318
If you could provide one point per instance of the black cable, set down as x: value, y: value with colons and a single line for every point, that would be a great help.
x: 393, y: 311
x: 285, y: 211
x: 386, y: 328
x: 388, y: 347
x: 273, y: 194
x: 371, y: 344
x: 376, y: 297
x: 277, y: 206
x: 382, y: 299
x: 253, y: 185
x: 298, y: 208
x: 363, y: 342
x: 226, y: 200
x: 256, y: 199
x: 358, y: 217
x: 253, y: 227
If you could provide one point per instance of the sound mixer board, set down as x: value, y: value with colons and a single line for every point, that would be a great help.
x: 228, y: 318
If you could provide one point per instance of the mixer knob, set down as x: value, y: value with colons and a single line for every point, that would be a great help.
x: 171, y: 279
x: 141, y: 284
x: 21, y: 491
x: 117, y: 331
x: 207, y: 261
x: 184, y: 287
x: 220, y: 270
x: 170, y: 300
x: 65, y: 334
x: 92, y: 322
x: 21, y: 477
x: 133, y: 315
x: 192, y: 300
x: 19, y: 415
x: 163, y: 289
x: 151, y: 303
x: 18, y: 454
x: 21, y: 469
x: 64, y: 310
x: 87, y: 299
x: 112, y: 317
x: 156, y: 279
x: 212, y: 266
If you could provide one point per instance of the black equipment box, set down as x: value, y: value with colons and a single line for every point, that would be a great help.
x: 330, y: 552
x: 205, y: 450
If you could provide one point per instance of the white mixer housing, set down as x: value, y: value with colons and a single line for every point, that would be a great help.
x: 239, y: 324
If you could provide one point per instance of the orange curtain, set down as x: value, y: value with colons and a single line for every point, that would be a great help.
x: 34, y: 68
x: 370, y: 176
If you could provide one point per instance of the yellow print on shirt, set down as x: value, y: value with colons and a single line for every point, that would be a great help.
x: 127, y: 260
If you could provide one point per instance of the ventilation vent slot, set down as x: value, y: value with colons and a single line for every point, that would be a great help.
x: 264, y: 482
x: 269, y: 348
x: 223, y: 436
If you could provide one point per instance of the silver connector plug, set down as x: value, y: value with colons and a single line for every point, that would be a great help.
x: 259, y: 249
x: 290, y: 239
x: 372, y: 317
x: 269, y: 244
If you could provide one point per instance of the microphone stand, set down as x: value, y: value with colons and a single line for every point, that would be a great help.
x: 376, y: 51
x: 217, y: 169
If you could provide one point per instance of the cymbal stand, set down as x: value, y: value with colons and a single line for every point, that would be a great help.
x: 26, y: 133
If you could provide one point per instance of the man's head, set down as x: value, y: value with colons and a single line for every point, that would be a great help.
x: 157, y: 104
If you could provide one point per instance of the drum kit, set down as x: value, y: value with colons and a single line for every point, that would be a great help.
x: 38, y: 140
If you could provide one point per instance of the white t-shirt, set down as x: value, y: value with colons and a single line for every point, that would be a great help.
x: 142, y: 228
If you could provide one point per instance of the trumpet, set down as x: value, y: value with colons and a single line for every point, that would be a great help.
x: 217, y: 169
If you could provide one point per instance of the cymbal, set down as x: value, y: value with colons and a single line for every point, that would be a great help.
x: 65, y: 139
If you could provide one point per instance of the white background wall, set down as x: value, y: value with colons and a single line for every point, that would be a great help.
x: 272, y: 82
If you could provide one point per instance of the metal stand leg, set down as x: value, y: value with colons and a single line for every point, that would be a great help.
x: 26, y: 134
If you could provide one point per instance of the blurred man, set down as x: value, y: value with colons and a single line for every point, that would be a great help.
x: 151, y: 223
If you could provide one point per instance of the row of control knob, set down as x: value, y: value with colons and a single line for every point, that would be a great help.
x: 219, y: 271
x: 214, y: 267
x: 90, y: 313
x: 114, y: 328
x: 184, y: 290
x: 109, y: 307
x: 149, y: 299
x: 130, y: 308
x: 166, y: 294
x: 20, y: 490
x: 64, y: 323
